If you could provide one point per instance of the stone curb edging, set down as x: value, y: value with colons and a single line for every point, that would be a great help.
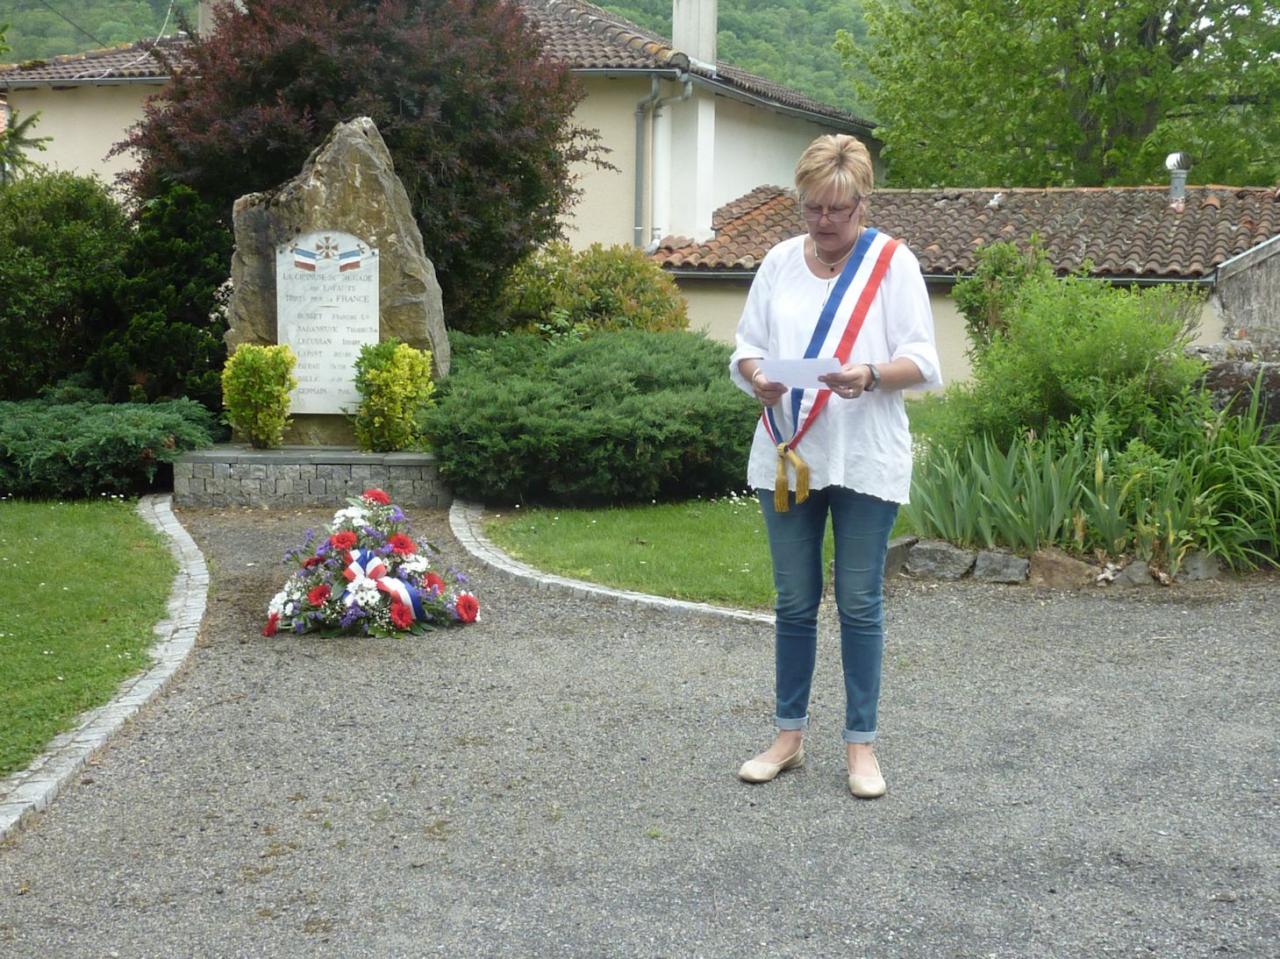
x: 31, y: 790
x: 464, y: 521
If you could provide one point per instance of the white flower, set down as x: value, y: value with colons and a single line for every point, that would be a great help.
x: 415, y: 564
x: 289, y: 607
x: 352, y: 515
x: 277, y: 603
x: 365, y: 592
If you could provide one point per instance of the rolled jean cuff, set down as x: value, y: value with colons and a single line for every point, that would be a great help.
x: 859, y: 736
x: 785, y: 724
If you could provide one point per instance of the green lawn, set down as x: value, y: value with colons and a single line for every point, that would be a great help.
x: 711, y: 551
x: 81, y: 586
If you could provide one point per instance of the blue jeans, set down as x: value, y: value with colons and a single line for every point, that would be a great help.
x: 861, y: 524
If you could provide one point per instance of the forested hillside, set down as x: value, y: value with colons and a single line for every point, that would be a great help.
x: 787, y: 41
x: 39, y: 29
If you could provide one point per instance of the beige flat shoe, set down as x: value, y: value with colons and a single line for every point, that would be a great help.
x: 756, y: 771
x: 869, y: 787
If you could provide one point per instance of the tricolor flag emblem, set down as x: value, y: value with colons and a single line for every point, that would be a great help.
x: 304, y: 259
x: 349, y: 260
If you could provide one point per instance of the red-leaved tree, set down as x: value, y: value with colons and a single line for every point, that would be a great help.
x: 479, y: 124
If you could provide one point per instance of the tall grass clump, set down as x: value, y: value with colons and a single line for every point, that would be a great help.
x: 1086, y: 426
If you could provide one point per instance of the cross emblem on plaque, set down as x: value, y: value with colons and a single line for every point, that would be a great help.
x: 327, y: 248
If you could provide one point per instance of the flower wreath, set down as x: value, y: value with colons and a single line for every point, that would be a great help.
x: 369, y: 576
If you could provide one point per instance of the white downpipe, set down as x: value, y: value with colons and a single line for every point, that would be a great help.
x: 642, y: 108
x: 663, y: 163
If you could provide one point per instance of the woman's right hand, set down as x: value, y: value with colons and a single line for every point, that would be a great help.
x: 766, y: 391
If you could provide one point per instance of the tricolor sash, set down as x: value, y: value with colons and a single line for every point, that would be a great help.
x: 806, y: 405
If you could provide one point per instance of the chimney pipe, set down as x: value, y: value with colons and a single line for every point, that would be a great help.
x: 1178, y: 165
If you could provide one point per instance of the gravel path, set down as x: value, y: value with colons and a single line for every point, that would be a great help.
x: 1070, y: 775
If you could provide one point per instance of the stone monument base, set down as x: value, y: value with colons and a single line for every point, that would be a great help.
x: 318, y: 429
x: 296, y: 476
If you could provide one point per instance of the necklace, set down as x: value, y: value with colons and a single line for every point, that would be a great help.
x: 830, y: 266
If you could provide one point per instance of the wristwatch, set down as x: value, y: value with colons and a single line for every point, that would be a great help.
x: 875, y: 378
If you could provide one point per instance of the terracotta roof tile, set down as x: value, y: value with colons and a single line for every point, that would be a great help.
x: 1123, y: 231
x: 136, y: 61
x: 573, y: 31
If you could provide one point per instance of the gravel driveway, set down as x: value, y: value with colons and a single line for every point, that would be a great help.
x: 1070, y: 775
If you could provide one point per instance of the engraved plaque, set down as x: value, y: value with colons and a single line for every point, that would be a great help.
x: 326, y: 310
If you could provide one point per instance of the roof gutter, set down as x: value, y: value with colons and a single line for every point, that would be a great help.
x: 721, y: 87
x: 680, y: 274
x: 78, y: 82
x: 1113, y: 280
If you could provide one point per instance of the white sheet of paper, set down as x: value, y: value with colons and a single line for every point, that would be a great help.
x: 801, y: 374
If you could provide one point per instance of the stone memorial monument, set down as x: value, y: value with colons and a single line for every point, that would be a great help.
x: 328, y: 262
x: 326, y: 310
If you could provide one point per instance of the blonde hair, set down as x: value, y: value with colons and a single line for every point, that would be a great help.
x: 836, y: 162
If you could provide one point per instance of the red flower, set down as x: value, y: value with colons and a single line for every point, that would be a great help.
x: 468, y: 607
x: 272, y: 622
x: 344, y: 540
x: 402, y: 544
x: 376, y: 496
x: 401, y: 615
x: 318, y: 595
x: 433, y: 581
x: 312, y: 561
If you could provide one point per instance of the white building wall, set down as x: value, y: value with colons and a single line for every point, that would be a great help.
x: 605, y: 211
x: 756, y: 146
x: 84, y: 123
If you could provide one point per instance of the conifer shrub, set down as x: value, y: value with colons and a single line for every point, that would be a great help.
x: 395, y: 387
x: 62, y: 240
x: 479, y: 123
x: 52, y: 450
x: 558, y: 291
x: 255, y: 391
x: 167, y: 321
x: 618, y: 417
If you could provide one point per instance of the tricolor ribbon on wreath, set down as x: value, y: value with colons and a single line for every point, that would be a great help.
x: 366, y: 569
x: 806, y: 405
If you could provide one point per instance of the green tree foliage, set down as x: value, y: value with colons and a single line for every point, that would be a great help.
x: 15, y: 144
x: 1072, y: 92
x: 62, y: 239
x: 479, y: 125
x: 788, y: 41
x: 166, y: 321
x: 37, y: 32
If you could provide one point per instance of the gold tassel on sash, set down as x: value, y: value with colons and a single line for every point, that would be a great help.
x: 780, y: 499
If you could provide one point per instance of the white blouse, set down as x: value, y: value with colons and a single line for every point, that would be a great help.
x: 863, y: 443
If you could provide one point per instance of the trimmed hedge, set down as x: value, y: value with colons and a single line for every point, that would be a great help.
x: 65, y: 450
x: 618, y: 417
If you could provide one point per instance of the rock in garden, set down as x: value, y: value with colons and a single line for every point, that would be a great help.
x: 994, y: 567
x: 1198, y: 565
x: 896, y: 555
x: 1137, y: 573
x: 348, y: 184
x: 939, y: 559
x: 1054, y: 568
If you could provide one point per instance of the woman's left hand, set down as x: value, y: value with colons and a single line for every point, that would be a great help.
x: 850, y: 382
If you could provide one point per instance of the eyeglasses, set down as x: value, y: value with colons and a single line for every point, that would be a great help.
x: 842, y: 214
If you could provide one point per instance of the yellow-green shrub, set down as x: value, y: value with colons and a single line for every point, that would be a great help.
x: 255, y: 392
x: 558, y: 291
x: 394, y: 383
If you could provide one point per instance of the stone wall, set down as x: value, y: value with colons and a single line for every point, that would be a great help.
x: 1248, y: 291
x: 303, y: 476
